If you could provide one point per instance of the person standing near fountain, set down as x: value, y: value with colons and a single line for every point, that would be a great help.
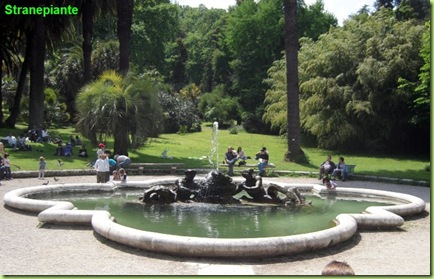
x: 102, y: 168
x: 263, y: 158
x: 231, y: 157
x: 122, y: 161
x: 42, y: 165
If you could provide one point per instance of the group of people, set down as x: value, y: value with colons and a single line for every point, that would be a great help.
x: 232, y: 156
x: 67, y: 150
x: 38, y: 135
x: 18, y: 144
x: 328, y: 167
x: 106, y: 166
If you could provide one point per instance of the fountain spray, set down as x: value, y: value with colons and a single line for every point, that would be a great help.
x: 214, y: 145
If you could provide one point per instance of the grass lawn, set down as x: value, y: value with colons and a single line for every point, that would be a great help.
x: 195, y: 148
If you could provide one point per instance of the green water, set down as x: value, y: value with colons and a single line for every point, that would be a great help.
x: 220, y: 221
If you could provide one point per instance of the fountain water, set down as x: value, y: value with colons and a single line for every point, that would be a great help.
x: 214, y: 146
x: 55, y: 211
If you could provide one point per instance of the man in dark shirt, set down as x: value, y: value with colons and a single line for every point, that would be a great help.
x: 263, y: 157
x: 231, y: 157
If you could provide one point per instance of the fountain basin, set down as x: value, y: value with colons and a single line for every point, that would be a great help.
x: 102, y: 221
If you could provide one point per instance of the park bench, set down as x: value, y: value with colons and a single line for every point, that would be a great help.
x: 250, y: 166
x: 140, y: 168
x: 350, y: 169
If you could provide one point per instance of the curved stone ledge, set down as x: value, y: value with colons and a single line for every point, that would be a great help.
x: 215, y: 247
x: 102, y: 223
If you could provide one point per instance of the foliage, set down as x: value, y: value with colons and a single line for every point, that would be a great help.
x: 202, y: 33
x: 154, y: 25
x: 178, y: 112
x: 55, y: 114
x: 215, y: 106
x: 254, y: 35
x: 125, y: 108
x: 105, y: 57
x: 348, y: 84
x: 313, y: 20
x: 420, y: 89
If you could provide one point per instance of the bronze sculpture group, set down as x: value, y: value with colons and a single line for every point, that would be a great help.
x: 217, y: 187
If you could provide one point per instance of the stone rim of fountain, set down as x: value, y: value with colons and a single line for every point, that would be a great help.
x: 102, y: 221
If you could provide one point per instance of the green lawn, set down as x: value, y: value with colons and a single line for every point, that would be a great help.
x: 193, y: 150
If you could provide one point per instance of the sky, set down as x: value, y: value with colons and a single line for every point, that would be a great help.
x: 340, y: 8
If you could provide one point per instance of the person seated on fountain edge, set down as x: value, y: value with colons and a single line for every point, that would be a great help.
x: 263, y: 158
x: 231, y: 157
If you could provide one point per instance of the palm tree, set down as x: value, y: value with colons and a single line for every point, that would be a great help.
x: 89, y: 10
x: 9, y: 58
x: 38, y: 32
x: 123, y: 107
x: 124, y: 10
x: 292, y: 90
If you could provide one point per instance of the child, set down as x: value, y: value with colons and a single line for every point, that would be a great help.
x: 100, y: 150
x: 123, y: 175
x: 7, y: 166
x: 42, y: 165
x: 102, y: 168
x: 116, y: 175
x: 329, y: 183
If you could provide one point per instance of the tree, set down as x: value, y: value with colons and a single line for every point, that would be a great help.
x: 349, y: 78
x: 89, y: 10
x: 292, y: 90
x: 9, y: 58
x: 126, y: 108
x: 312, y: 21
x: 124, y: 10
x: 38, y: 41
x: 255, y: 38
x: 155, y: 23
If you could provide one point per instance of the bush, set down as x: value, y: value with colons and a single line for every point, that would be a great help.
x: 178, y: 112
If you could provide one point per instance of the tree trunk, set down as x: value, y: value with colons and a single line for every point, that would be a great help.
x: 1, y: 92
x: 292, y: 89
x: 124, y: 10
x: 16, y: 107
x: 87, y: 28
x: 121, y: 140
x: 36, y: 98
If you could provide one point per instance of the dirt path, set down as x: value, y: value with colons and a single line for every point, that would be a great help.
x: 70, y: 250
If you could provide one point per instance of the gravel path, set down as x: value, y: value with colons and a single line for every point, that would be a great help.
x: 27, y: 249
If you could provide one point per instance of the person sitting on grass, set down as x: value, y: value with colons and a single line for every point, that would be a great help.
x: 59, y: 150
x: 82, y: 152
x: 68, y: 150
x: 12, y: 141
